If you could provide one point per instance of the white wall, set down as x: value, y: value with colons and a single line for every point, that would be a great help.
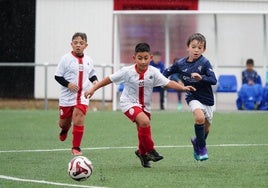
x: 240, y: 36
x: 233, y: 5
x: 57, y: 21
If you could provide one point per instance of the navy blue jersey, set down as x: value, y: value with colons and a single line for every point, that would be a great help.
x: 250, y: 75
x: 160, y: 66
x: 202, y: 66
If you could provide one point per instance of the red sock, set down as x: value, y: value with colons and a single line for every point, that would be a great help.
x: 146, y: 143
x: 77, y: 135
x: 142, y: 149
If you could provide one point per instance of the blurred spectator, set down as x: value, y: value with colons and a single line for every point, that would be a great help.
x: 176, y: 78
x: 264, y: 101
x: 250, y: 76
x: 249, y: 97
x: 157, y: 63
x: 251, y: 93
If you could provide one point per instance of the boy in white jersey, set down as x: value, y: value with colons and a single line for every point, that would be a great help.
x: 139, y: 80
x: 73, y: 73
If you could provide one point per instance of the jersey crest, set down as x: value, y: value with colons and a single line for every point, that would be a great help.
x: 141, y: 83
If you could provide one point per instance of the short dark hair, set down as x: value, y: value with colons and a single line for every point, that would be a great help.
x: 80, y: 34
x: 250, y: 62
x: 197, y: 36
x: 142, y: 47
x: 157, y: 53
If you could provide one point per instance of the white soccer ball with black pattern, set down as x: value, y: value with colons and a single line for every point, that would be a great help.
x: 80, y: 168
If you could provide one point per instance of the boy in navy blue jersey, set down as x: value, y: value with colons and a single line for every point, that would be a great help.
x: 195, y: 70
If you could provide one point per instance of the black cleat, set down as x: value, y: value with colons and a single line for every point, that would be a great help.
x: 143, y: 158
x: 154, y: 156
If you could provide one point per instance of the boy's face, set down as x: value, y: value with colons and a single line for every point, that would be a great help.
x: 249, y: 67
x: 142, y: 59
x: 78, y: 45
x: 195, y: 50
x: 156, y: 59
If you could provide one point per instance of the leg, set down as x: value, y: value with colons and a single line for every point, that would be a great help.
x: 207, y: 128
x: 179, y: 107
x: 162, y: 96
x: 141, y: 152
x: 65, y: 121
x: 144, y: 133
x: 199, y: 142
x: 65, y: 125
x: 145, y: 137
x: 199, y: 127
x: 78, y: 130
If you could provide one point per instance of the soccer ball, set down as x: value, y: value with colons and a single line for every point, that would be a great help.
x: 80, y: 168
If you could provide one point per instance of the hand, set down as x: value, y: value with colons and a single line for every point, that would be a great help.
x: 89, y: 93
x: 196, y: 76
x: 189, y: 88
x: 73, y: 87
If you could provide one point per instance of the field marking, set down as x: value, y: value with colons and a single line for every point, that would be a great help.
x: 102, y: 148
x: 45, y: 182
x: 130, y: 147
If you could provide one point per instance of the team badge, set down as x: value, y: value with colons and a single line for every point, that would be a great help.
x: 61, y: 112
x: 200, y: 68
x: 131, y: 111
x: 141, y: 83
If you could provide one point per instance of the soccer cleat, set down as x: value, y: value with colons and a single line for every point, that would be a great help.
x: 63, y: 133
x: 154, y: 156
x: 179, y: 106
x: 76, y: 151
x: 196, y: 149
x: 143, y: 158
x: 203, y: 154
x: 199, y: 154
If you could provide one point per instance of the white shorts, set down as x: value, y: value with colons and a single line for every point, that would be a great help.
x: 208, y: 110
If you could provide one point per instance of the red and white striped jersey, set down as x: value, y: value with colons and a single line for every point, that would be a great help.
x: 138, y: 87
x: 76, y: 70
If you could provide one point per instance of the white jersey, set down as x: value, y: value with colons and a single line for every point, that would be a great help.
x: 76, y: 70
x: 138, y: 88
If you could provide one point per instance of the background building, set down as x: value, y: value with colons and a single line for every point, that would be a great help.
x: 40, y: 31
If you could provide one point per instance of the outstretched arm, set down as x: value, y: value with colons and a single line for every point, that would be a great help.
x: 177, y: 86
x: 89, y: 93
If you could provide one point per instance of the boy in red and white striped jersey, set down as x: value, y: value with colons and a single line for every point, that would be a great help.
x: 139, y: 80
x: 74, y: 73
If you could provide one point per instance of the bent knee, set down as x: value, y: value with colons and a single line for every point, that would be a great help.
x: 200, y: 120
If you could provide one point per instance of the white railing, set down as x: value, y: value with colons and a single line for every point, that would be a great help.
x: 45, y: 66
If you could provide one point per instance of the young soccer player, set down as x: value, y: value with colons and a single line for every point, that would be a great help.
x: 73, y: 73
x: 195, y: 70
x: 139, y: 80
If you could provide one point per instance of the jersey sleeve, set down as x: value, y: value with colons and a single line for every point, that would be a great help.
x: 118, y: 76
x: 92, y: 71
x: 176, y: 69
x: 209, y: 75
x: 60, y: 70
x: 170, y: 70
x: 160, y: 79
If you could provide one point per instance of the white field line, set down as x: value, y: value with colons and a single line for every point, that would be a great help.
x: 45, y: 182
x: 129, y: 147
x: 101, y: 148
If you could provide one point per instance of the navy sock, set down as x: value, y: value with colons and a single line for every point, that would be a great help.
x: 200, y: 135
x: 206, y: 135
